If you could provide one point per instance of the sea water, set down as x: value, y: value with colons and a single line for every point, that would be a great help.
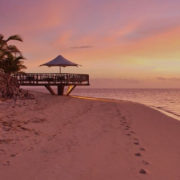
x: 164, y: 100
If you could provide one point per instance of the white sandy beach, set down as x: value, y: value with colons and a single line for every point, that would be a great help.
x: 68, y: 138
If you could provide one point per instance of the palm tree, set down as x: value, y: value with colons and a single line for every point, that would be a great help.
x: 11, y: 61
x: 5, y: 48
x: 10, y: 56
x: 12, y: 64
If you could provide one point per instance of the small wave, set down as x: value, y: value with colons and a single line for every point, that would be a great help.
x: 168, y: 112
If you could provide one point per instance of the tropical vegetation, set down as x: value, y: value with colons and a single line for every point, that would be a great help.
x: 11, y: 62
x: 11, y: 59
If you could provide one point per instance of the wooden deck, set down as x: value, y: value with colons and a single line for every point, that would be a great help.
x: 53, y: 79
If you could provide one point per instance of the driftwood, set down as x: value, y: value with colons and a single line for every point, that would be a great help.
x: 9, y: 88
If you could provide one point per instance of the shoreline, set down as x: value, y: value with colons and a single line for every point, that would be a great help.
x: 70, y: 138
x: 168, y: 113
x: 165, y: 112
x: 160, y: 109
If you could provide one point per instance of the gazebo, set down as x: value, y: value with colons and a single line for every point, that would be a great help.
x: 55, y: 79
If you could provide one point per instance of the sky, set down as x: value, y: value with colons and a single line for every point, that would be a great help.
x: 119, y: 43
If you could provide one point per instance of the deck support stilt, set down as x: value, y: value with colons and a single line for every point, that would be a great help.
x: 50, y: 89
x: 60, y: 90
x: 70, y: 89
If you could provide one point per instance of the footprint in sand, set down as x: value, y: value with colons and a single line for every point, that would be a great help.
x: 142, y: 171
x: 123, y: 117
x: 2, y: 151
x: 36, y: 133
x: 5, y: 141
x: 138, y: 154
x: 142, y: 149
x: 132, y: 132
x: 145, y: 162
x: 30, y: 148
x: 13, y: 155
x: 122, y: 120
x: 136, y: 143
x: 7, y: 163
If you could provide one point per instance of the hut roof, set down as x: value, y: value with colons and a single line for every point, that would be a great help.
x: 60, y: 61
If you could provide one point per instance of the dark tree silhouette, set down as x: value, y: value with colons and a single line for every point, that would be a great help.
x: 11, y: 59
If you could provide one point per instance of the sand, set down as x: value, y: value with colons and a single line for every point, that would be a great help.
x: 70, y: 138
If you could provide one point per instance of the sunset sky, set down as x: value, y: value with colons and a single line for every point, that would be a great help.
x: 129, y: 43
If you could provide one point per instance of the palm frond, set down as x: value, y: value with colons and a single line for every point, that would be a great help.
x: 13, y: 48
x: 1, y: 37
x: 15, y: 37
x: 11, y: 59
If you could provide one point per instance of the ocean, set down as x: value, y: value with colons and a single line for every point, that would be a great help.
x: 164, y: 100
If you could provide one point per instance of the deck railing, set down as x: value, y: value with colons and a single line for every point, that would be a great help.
x: 39, y: 79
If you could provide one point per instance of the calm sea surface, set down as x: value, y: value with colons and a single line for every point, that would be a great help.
x: 165, y: 100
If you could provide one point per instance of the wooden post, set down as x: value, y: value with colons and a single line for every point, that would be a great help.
x: 50, y: 89
x: 60, y: 90
x: 70, y: 89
